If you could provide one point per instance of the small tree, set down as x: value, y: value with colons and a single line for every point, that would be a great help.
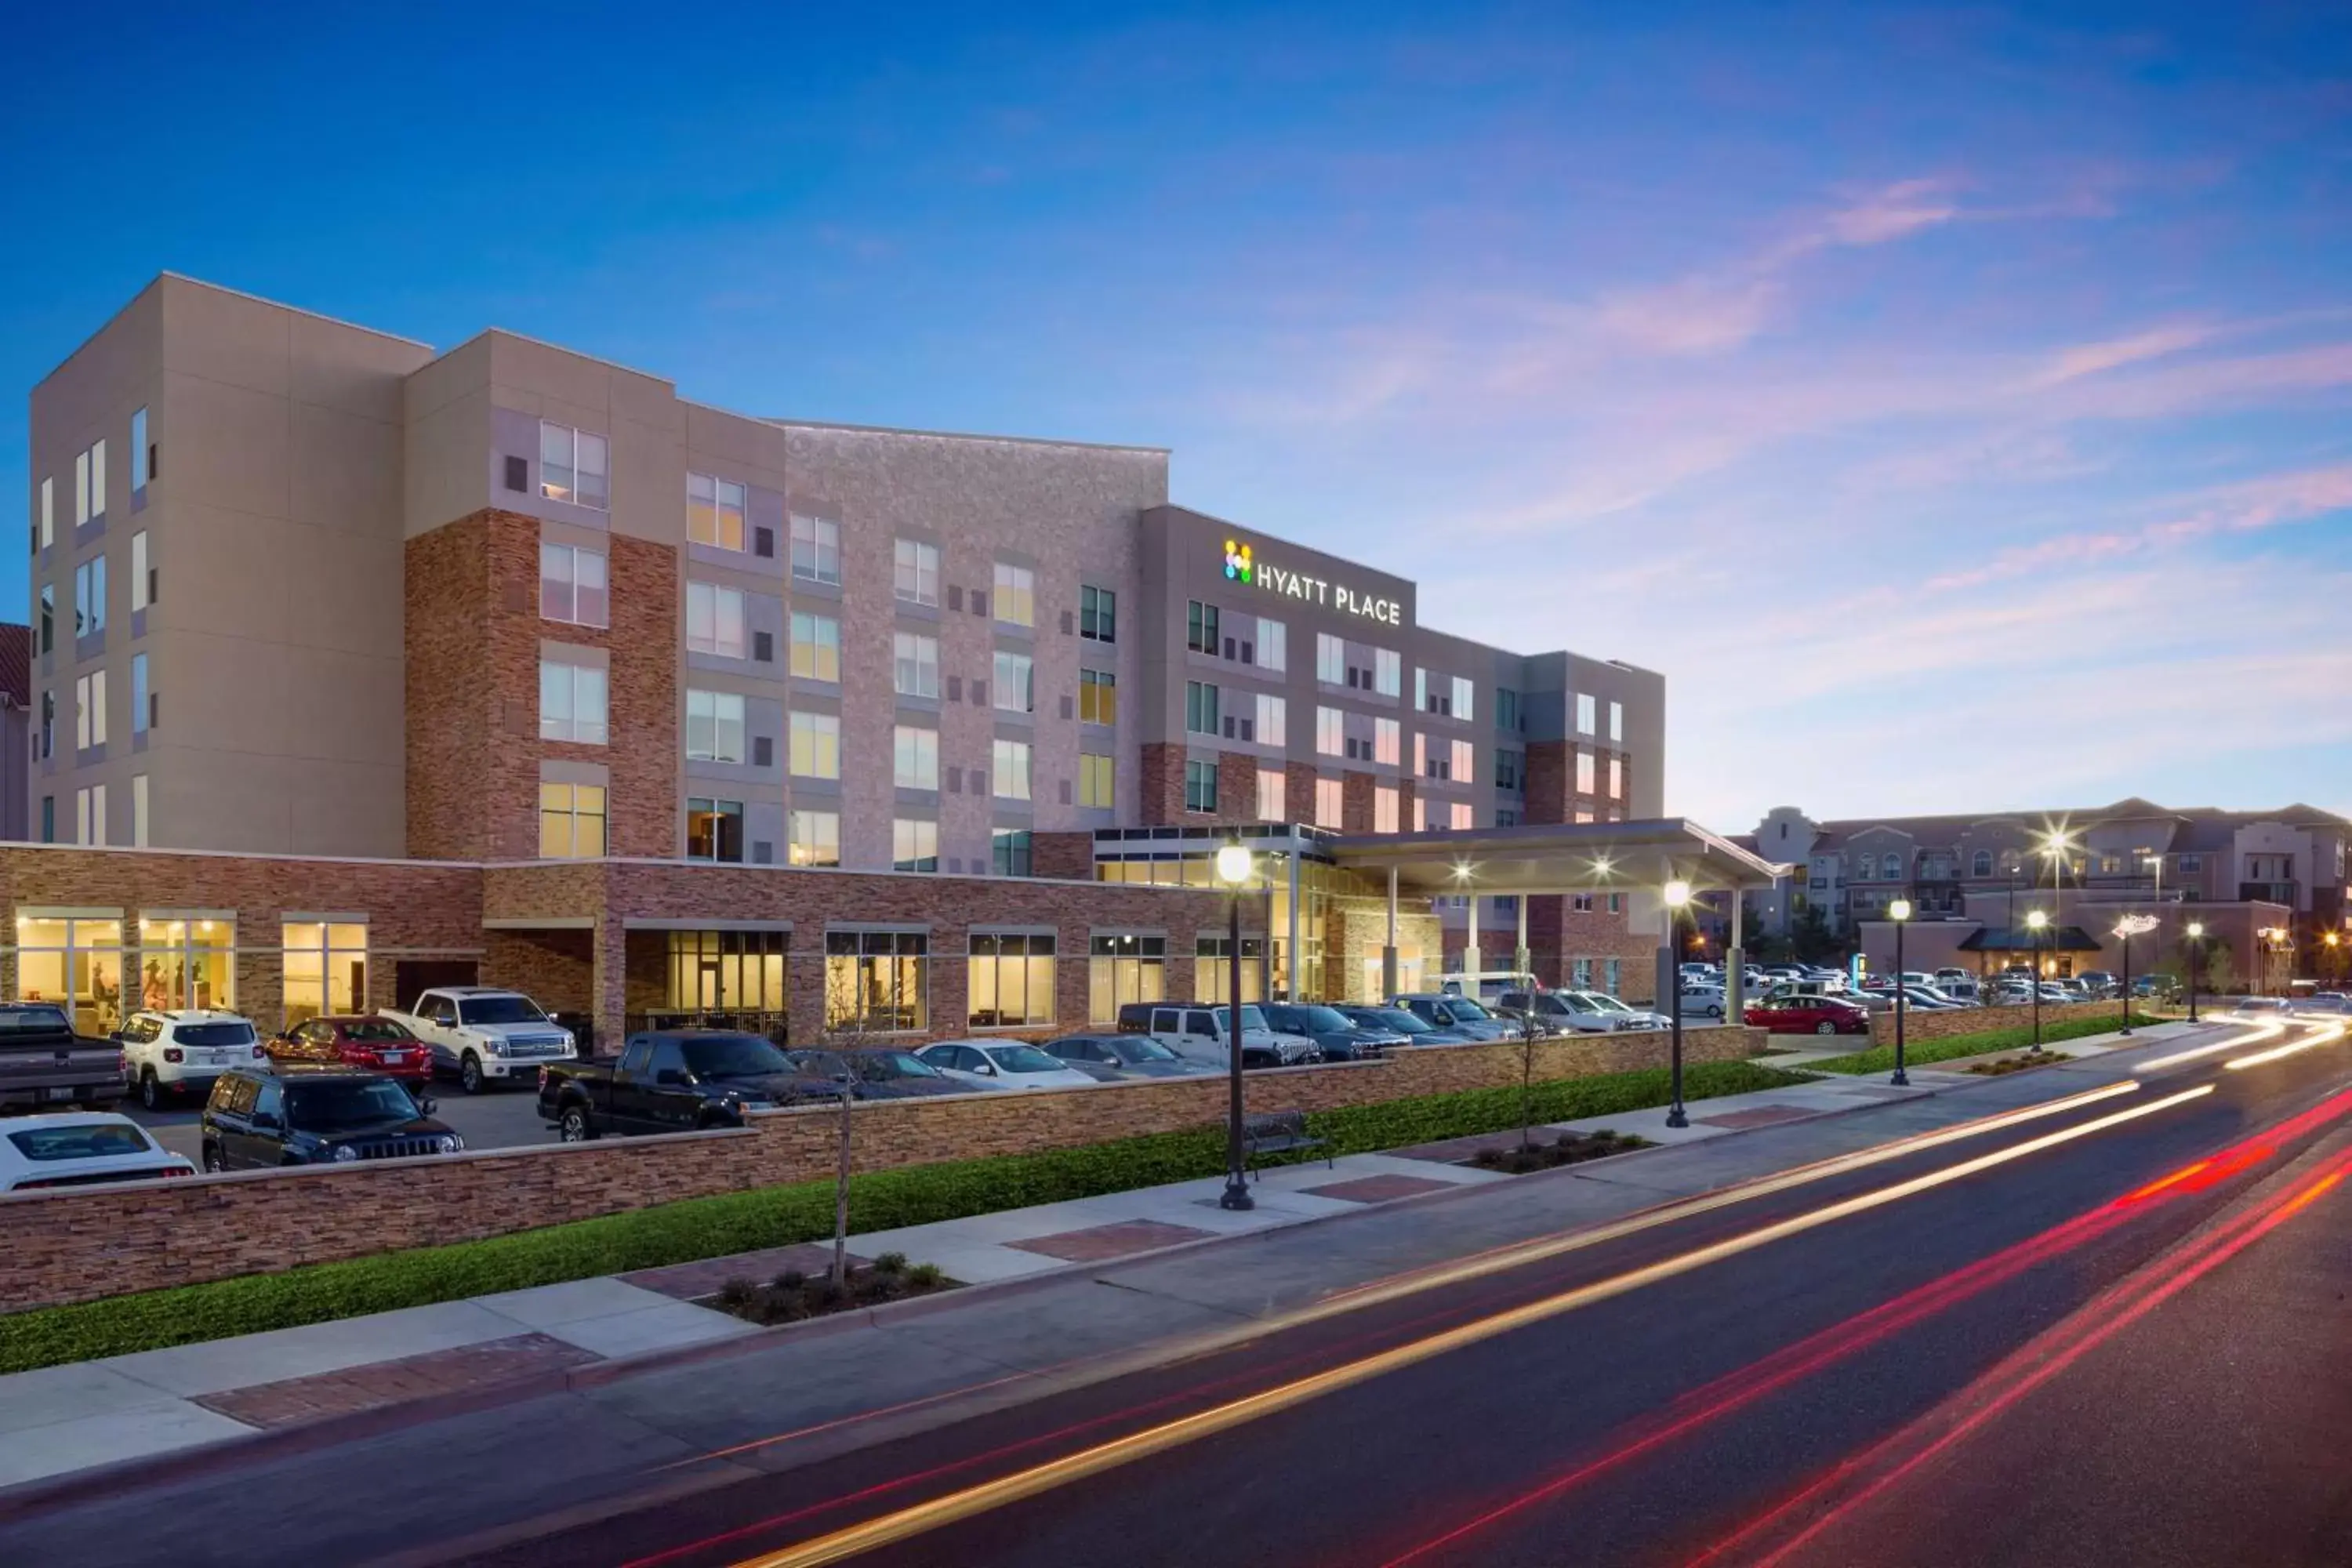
x: 1529, y: 1033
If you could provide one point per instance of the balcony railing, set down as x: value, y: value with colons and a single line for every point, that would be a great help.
x: 2268, y: 892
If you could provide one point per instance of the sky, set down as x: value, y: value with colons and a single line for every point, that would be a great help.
x: 1954, y: 403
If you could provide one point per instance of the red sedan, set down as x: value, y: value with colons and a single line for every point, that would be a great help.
x: 1809, y: 1015
x: 378, y: 1045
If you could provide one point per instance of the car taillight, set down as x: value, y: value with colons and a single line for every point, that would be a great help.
x: 177, y: 1171
x: 174, y: 1054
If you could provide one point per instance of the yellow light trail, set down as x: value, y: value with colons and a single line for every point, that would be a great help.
x: 2258, y: 1032
x: 921, y: 1518
x: 2320, y: 1037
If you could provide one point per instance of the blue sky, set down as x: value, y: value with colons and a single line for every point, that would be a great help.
x: 1955, y: 404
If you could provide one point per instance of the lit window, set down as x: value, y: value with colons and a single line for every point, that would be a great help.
x: 714, y: 620
x: 1123, y: 967
x: 714, y: 726
x: 913, y: 844
x: 1098, y: 696
x: 814, y: 838
x: 915, y: 755
x: 1017, y: 596
x: 1616, y: 778
x: 1330, y: 803
x: 1098, y: 614
x: 714, y: 829
x: 1016, y: 687
x: 1384, y: 809
x: 714, y: 511
x: 1273, y: 803
x: 570, y: 584
x: 571, y: 703
x: 816, y: 548
x: 1464, y: 818
x: 1464, y: 765
x: 876, y: 980
x: 325, y: 968
x: 1583, y: 772
x: 816, y: 647
x: 572, y: 466
x: 571, y: 821
x: 1097, y: 781
x: 913, y: 664
x: 817, y: 745
x: 1331, y: 731
x: 1388, y: 742
x: 1010, y: 975
x: 1009, y: 770
x: 915, y: 572
x: 1273, y: 720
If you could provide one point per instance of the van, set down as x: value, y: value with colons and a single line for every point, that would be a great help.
x: 1197, y: 1033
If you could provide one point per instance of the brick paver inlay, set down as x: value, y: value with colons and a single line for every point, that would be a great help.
x: 1098, y: 1242
x: 1379, y: 1189
x: 1758, y: 1116
x: 298, y: 1399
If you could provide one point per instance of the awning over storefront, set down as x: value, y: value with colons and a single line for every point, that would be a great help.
x: 2056, y: 939
x: 1556, y: 857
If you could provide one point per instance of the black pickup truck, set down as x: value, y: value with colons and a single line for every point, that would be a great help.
x: 43, y: 1063
x: 672, y: 1081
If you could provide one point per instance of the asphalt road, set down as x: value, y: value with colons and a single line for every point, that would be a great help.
x: 2116, y: 1336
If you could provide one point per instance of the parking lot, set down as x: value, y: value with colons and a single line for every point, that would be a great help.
x: 499, y: 1119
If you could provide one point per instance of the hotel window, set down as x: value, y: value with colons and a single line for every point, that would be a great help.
x: 1123, y: 968
x: 1096, y: 777
x: 1098, y: 696
x: 714, y: 620
x: 915, y: 572
x: 1273, y: 721
x: 1201, y: 627
x: 1420, y: 754
x: 139, y: 811
x: 1015, y: 690
x: 90, y: 596
x: 1200, y: 707
x: 1388, y: 742
x: 1098, y: 614
x: 816, y: 549
x: 1583, y: 772
x: 1200, y: 785
x: 76, y: 964
x: 714, y: 971
x: 48, y: 638
x: 1510, y: 769
x: 816, y: 746
x: 714, y: 511
x: 816, y: 647
x: 1617, y: 722
x: 1584, y: 713
x: 1330, y: 659
x: 1009, y: 851
x: 1463, y: 817
x: 1330, y: 803
x: 913, y: 844
x: 48, y: 513
x: 139, y: 694
x: 1419, y: 814
x: 571, y: 821
x: 1010, y: 980
x: 1017, y: 596
x: 571, y: 583
x: 1464, y: 762
x: 1273, y: 803
x: 1331, y: 731
x: 325, y: 969
x: 1212, y: 975
x: 714, y: 726
x: 876, y: 980
x: 913, y: 664
x: 572, y: 701
x: 812, y: 838
x: 1981, y: 863
x: 1273, y: 645
x: 915, y: 757
x: 1463, y: 698
x: 89, y: 484
x: 714, y: 829
x: 1009, y: 770
x: 1384, y: 809
x: 187, y: 964
x: 1507, y: 709
x: 1616, y: 778
x: 572, y: 466
x: 89, y: 710
x: 1614, y: 969
x: 90, y: 814
x: 49, y: 724
x: 141, y: 582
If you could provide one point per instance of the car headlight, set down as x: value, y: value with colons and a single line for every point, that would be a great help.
x: 449, y: 1143
x: 495, y: 1047
x: 345, y: 1152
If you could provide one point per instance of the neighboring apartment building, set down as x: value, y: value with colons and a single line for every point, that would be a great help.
x: 15, y: 730
x: 333, y: 593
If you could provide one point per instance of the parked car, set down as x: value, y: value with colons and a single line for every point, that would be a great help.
x: 1783, y: 989
x: 1199, y: 1033
x: 2154, y: 987
x: 875, y: 1072
x: 1642, y: 1017
x: 184, y: 1052
x: 1815, y: 1014
x: 2099, y: 982
x: 1002, y: 1063
x: 316, y: 1116
x: 44, y: 1062
x: 80, y: 1148
x: 1703, y: 1000
x: 1583, y: 1012
x: 370, y: 1043
x: 486, y: 1036
x: 1416, y: 1029
x: 672, y: 1080
x: 1339, y: 1037
x: 1454, y: 1013
x: 1112, y: 1058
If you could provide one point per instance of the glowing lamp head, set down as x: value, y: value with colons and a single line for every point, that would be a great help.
x: 1900, y: 910
x: 2036, y: 920
x: 2196, y: 929
x: 1678, y: 893
x: 1234, y: 864
x: 2331, y: 939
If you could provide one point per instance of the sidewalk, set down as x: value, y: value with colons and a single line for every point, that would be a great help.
x: 61, y: 1420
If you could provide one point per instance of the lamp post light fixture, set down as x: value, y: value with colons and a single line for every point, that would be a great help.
x: 2127, y: 928
x: 1236, y: 866
x: 1899, y: 912
x: 2196, y: 934
x: 1678, y: 897
x: 2037, y: 921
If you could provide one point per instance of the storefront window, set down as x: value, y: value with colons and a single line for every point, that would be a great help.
x: 188, y: 962
x: 75, y: 962
x: 1011, y: 979
x: 1212, y: 978
x: 875, y: 980
x: 1124, y: 968
x: 325, y: 968
x: 728, y: 970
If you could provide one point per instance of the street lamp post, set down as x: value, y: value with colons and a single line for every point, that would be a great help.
x: 1233, y: 870
x: 2127, y: 928
x: 2196, y: 934
x: 1678, y: 894
x: 1899, y: 912
x: 2036, y: 921
x: 2335, y: 961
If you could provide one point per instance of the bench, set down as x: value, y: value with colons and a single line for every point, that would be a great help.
x: 1277, y: 1132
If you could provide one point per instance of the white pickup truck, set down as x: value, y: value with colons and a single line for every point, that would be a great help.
x: 486, y: 1036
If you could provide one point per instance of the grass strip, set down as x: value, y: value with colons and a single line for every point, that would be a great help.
x: 1918, y: 1053
x: 695, y: 1228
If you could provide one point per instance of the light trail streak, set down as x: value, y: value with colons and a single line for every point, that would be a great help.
x: 2270, y: 1031
x: 2322, y: 1036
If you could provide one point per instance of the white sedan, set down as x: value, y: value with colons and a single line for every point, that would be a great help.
x: 75, y: 1149
x: 1001, y: 1064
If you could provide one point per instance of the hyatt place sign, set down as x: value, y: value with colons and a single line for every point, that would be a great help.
x: 1241, y: 566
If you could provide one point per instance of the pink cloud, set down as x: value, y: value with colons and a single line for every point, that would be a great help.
x: 2091, y: 359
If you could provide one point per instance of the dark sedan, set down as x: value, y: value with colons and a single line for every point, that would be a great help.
x: 875, y: 1072
x: 1112, y: 1058
x: 303, y: 1116
x: 1343, y: 1038
x: 1416, y: 1029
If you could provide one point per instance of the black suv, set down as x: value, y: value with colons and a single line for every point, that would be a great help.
x: 258, y: 1119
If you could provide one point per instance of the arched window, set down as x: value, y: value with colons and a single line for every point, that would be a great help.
x: 1894, y: 868
x: 1981, y: 863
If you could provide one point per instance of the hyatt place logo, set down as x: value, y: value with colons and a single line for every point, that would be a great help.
x: 1238, y: 562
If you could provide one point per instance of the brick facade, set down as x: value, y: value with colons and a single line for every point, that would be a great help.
x: 79, y: 1245
x: 1162, y: 784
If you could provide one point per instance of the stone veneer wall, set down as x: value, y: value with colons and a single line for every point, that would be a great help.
x: 1918, y: 1025
x: 81, y: 1245
x: 473, y: 633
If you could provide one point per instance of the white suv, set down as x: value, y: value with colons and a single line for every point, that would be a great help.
x: 181, y: 1051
